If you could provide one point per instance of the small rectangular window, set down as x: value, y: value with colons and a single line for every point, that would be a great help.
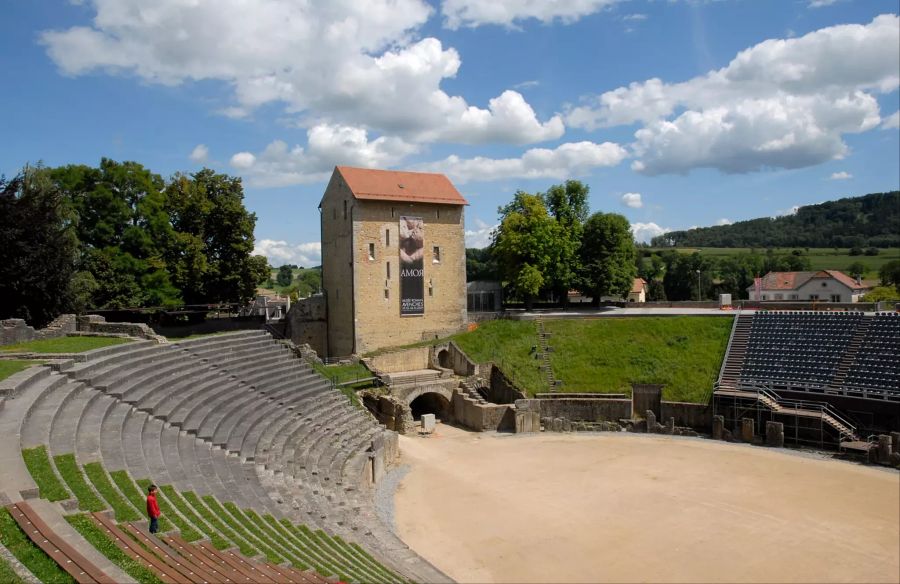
x: 763, y: 296
x: 387, y: 293
x: 835, y: 297
x: 392, y: 212
x: 387, y: 237
x: 436, y: 255
x: 371, y: 251
x: 813, y: 296
x: 389, y: 270
x: 430, y: 291
x: 437, y: 212
x: 345, y: 209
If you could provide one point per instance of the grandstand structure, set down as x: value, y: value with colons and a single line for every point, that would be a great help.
x: 253, y: 449
x: 831, y: 377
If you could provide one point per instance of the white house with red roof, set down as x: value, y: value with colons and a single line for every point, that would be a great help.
x: 820, y: 286
x: 638, y: 291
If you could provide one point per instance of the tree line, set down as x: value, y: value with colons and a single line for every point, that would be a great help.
x: 548, y: 243
x: 76, y: 238
x: 858, y: 222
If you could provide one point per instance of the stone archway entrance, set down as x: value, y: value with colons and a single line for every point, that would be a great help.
x: 444, y: 359
x: 431, y: 403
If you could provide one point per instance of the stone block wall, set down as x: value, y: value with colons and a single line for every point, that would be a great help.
x: 16, y: 330
x: 306, y: 323
x: 402, y: 360
x: 696, y: 416
x: 450, y: 356
x: 589, y: 410
x: 97, y: 324
x: 480, y: 417
x: 502, y: 390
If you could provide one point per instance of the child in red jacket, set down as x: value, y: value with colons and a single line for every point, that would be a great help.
x: 153, y: 509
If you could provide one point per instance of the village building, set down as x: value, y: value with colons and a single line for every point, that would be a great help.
x: 820, y: 286
x: 638, y: 291
x: 393, y: 259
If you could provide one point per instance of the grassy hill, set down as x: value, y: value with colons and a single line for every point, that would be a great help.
x: 606, y: 355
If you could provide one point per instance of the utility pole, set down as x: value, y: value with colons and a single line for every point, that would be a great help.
x: 698, y: 286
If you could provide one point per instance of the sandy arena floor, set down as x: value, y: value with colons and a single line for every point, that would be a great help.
x: 638, y: 508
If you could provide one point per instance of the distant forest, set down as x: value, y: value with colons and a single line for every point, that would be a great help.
x: 868, y: 221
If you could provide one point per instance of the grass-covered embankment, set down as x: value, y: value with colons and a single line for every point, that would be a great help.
x: 31, y: 556
x: 683, y: 353
x: 12, y: 366
x: 63, y: 345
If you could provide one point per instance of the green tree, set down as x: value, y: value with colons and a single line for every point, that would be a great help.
x: 210, y: 260
x: 681, y: 280
x: 857, y: 269
x: 607, y: 256
x: 309, y: 282
x: 285, y: 276
x: 481, y: 265
x: 890, y: 274
x: 260, y: 268
x: 124, y: 232
x: 37, y: 247
x: 882, y: 294
x: 525, y: 245
x: 568, y: 205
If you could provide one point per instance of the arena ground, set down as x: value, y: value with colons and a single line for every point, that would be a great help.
x: 639, y: 508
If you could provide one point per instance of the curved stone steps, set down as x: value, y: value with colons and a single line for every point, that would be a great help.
x: 108, y: 367
x: 111, y: 446
x: 38, y: 419
x: 198, y: 402
x: 131, y: 375
x: 220, y: 339
x: 269, y: 404
x: 214, y: 353
x: 89, y: 428
x: 164, y: 396
x: 283, y: 451
x: 252, y: 439
x: 185, y: 445
x: 65, y: 423
x: 168, y: 446
x: 107, y: 357
x: 180, y: 402
x: 248, y: 364
x: 131, y: 443
x: 271, y: 444
x: 142, y: 389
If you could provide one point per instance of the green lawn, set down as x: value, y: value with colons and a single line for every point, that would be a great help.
x: 683, y: 353
x: 821, y: 258
x: 33, y: 557
x: 8, y: 575
x: 11, y: 366
x: 63, y: 345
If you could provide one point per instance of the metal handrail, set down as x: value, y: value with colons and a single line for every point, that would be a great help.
x: 823, y: 407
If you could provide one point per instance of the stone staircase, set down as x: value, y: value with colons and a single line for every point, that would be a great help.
x: 473, y: 387
x: 729, y: 376
x: 849, y: 356
x: 545, y: 349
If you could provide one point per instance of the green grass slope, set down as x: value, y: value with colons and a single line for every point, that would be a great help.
x: 683, y: 353
x: 63, y: 345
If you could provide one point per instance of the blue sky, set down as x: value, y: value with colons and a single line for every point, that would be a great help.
x: 677, y: 113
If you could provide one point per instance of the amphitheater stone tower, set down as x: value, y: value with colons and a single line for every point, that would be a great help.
x: 393, y: 258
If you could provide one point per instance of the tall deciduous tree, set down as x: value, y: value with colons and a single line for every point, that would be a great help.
x: 568, y: 205
x: 525, y: 245
x: 211, y: 257
x: 285, y: 276
x: 607, y: 256
x: 37, y: 247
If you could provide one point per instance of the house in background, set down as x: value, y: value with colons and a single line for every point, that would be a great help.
x: 638, y: 291
x: 821, y: 286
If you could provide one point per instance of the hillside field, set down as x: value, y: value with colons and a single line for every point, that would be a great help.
x: 606, y: 355
x: 821, y: 258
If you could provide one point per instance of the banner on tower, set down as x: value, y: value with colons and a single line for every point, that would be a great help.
x: 412, y: 272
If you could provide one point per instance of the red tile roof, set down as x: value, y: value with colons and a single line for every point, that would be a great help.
x: 793, y: 280
x: 638, y: 285
x: 395, y: 185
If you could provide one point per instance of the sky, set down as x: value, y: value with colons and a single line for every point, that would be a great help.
x: 676, y: 113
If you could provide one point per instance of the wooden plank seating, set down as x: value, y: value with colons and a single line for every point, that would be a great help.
x: 197, y: 573
x: 165, y: 572
x: 68, y: 558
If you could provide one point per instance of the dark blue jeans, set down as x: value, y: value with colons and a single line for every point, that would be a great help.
x: 154, y: 525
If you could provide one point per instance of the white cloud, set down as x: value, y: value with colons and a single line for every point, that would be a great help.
x: 280, y: 252
x: 789, y: 211
x: 474, y: 13
x: 243, y: 160
x: 891, y: 122
x: 780, y: 103
x: 821, y: 3
x: 564, y: 161
x: 842, y: 175
x: 199, y: 154
x: 632, y: 200
x: 634, y: 17
x: 724, y: 221
x: 647, y: 231
x: 327, y: 146
x: 341, y: 62
x: 480, y: 236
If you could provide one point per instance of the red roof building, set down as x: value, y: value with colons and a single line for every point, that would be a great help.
x: 820, y: 286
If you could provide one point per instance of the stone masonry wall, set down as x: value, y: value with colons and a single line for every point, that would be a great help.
x: 402, y: 360
x: 377, y: 281
x: 591, y: 410
x: 502, y: 390
x: 337, y: 266
x: 696, y: 416
x: 307, y: 323
x: 15, y: 330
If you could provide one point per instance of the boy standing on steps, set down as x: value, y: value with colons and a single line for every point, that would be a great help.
x: 153, y: 509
